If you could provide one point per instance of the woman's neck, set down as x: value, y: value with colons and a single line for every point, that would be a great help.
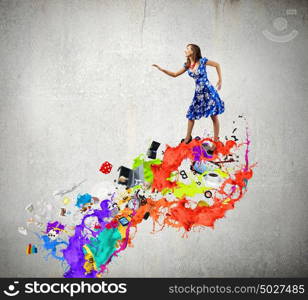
x: 192, y: 61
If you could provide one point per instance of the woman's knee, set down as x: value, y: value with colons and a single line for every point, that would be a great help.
x: 214, y: 118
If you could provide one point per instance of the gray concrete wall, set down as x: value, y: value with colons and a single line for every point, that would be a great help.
x: 77, y: 88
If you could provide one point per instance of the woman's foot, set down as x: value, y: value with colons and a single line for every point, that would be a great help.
x: 186, y: 140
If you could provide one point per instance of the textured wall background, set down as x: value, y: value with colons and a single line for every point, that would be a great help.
x: 77, y: 88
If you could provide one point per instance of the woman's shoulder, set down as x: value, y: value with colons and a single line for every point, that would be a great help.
x: 203, y: 60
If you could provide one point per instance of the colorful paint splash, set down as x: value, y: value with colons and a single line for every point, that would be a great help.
x: 187, y: 188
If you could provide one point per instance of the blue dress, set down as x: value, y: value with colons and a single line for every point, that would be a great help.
x: 206, y: 101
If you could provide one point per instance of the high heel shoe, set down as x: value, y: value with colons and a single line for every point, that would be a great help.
x: 190, y: 139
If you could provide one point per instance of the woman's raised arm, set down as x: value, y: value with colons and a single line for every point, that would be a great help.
x: 172, y: 74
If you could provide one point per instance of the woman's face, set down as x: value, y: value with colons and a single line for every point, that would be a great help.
x: 188, y: 51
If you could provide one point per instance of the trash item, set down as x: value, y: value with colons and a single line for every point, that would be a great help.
x: 123, y: 221
x: 133, y: 203
x: 138, y: 176
x: 29, y: 208
x: 124, y: 175
x: 212, y: 176
x: 83, y: 199
x: 66, y: 200
x: 106, y: 167
x: 131, y: 177
x: 113, y: 208
x: 31, y: 249
x: 152, y: 151
x: 114, y: 211
x: 86, y: 207
x: 57, y: 226
x: 52, y: 234
x: 202, y: 166
x: 63, y: 212
x: 208, y: 194
x: 202, y: 203
x: 146, y: 215
x: 96, y: 200
x: 212, y: 180
x: 22, y: 230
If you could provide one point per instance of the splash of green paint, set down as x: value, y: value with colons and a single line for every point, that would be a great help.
x: 148, y: 174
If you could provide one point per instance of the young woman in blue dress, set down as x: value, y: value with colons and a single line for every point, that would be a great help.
x: 206, y: 101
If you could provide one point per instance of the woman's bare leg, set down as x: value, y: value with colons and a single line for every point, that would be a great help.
x: 190, y: 127
x: 216, y: 127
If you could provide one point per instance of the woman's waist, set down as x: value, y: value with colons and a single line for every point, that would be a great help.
x: 202, y: 81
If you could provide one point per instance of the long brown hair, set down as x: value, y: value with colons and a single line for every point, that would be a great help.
x: 196, y: 54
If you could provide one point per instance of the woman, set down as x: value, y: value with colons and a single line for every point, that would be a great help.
x: 206, y: 101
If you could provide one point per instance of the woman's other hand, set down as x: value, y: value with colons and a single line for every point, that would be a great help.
x: 218, y: 84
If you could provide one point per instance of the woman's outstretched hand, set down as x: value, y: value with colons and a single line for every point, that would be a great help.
x: 158, y: 67
x: 218, y: 85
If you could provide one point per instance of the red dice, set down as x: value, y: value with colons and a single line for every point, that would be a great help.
x: 106, y: 167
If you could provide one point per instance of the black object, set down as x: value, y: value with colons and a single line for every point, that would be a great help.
x: 133, y: 177
x: 152, y: 151
x: 142, y: 199
x: 210, y: 152
x: 190, y: 139
x: 212, y: 174
x: 208, y: 194
x: 183, y: 174
x: 234, y: 137
x: 125, y: 172
x: 123, y: 221
x: 146, y: 215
